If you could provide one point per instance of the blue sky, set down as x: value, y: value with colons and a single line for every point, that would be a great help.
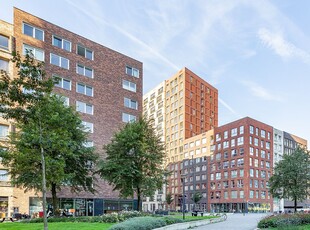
x: 256, y: 53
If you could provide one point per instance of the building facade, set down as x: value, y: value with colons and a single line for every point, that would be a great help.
x: 103, y: 85
x: 181, y: 107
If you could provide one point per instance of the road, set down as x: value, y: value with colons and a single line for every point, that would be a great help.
x: 235, y: 222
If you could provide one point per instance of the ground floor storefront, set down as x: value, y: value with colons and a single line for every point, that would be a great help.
x: 240, y: 207
x: 83, y: 206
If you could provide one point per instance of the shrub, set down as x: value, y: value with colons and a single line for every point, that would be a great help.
x: 140, y: 223
x: 106, y: 218
x: 286, y: 220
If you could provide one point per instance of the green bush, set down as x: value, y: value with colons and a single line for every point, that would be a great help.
x: 140, y: 223
x: 106, y: 218
x: 285, y: 220
x: 171, y: 220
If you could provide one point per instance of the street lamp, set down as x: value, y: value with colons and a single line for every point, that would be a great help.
x: 183, y: 195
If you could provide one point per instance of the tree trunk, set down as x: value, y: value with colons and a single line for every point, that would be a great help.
x: 139, y: 199
x: 44, y: 189
x: 55, y: 200
x: 295, y: 204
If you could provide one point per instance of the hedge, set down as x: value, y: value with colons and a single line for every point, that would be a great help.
x: 145, y: 223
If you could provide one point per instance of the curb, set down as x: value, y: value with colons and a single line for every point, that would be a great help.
x: 190, y: 224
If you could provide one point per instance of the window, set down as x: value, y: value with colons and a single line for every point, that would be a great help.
x: 4, y: 175
x: 4, y: 65
x: 241, y: 129
x: 251, y: 129
x: 234, y: 132
x: 129, y: 86
x: 225, y: 134
x: 251, y: 172
x: 233, y: 142
x: 64, y: 83
x: 84, y: 89
x: 218, y: 176
x: 85, y: 52
x: 130, y: 103
x: 251, y: 194
x: 204, y: 140
x: 128, y: 117
x: 255, y: 141
x: 233, y: 194
x: 84, y: 107
x: 132, y: 71
x: 88, y: 126
x: 88, y: 72
x: 62, y: 43
x: 59, y: 61
x: 240, y: 140
x: 4, y: 131
x: 4, y: 42
x: 233, y: 173
x: 37, y: 53
x: 241, y: 172
x: 65, y: 100
x: 89, y: 144
x: 33, y: 32
x: 262, y: 133
x: 241, y: 194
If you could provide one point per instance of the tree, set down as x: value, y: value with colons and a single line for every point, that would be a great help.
x: 46, y: 129
x: 196, y: 198
x: 134, y: 161
x: 169, y: 199
x: 58, y: 131
x: 291, y: 178
x: 19, y: 93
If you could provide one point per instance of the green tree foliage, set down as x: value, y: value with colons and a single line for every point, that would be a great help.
x: 196, y: 197
x: 169, y: 199
x: 19, y: 93
x: 291, y: 178
x: 134, y: 162
x: 60, y: 132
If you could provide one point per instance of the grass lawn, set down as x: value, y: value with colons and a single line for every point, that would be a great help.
x: 55, y: 226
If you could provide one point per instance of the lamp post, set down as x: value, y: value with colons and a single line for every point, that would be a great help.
x: 183, y: 195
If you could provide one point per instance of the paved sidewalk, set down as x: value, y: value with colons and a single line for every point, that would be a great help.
x: 236, y: 222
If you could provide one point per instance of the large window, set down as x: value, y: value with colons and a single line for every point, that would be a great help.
x: 61, y: 43
x: 4, y: 131
x: 4, y: 42
x: 64, y: 83
x: 84, y: 89
x: 36, y: 52
x: 88, y: 126
x: 33, y: 32
x: 129, y: 86
x: 88, y: 72
x: 59, y: 61
x: 132, y: 71
x: 4, y: 65
x: 4, y: 175
x: 84, y: 107
x: 85, y: 52
x: 128, y: 117
x: 130, y: 103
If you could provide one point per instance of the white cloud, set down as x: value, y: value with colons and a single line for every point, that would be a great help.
x: 260, y: 92
x: 139, y: 42
x: 281, y: 47
x: 227, y: 106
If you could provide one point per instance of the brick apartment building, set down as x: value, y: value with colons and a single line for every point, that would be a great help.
x: 228, y: 165
x: 182, y: 107
x: 105, y: 87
